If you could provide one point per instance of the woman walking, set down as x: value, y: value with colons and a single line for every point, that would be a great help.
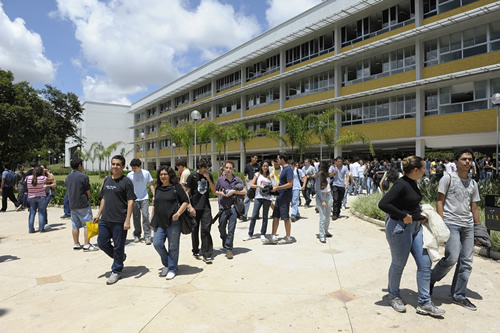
x: 404, y: 235
x: 169, y: 203
x: 50, y: 193
x: 37, y: 197
x: 323, y: 200
x: 262, y: 182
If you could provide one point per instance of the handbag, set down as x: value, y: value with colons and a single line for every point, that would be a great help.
x: 92, y: 229
x: 188, y: 222
x: 251, y: 193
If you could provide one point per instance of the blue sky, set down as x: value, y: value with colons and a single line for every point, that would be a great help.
x: 119, y: 51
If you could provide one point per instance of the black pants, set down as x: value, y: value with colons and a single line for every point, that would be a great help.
x: 8, y: 192
x: 204, y: 222
x: 338, y: 196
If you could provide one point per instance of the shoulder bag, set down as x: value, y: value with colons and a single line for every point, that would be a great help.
x: 188, y: 222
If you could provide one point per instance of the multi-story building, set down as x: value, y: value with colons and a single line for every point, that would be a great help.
x: 409, y: 74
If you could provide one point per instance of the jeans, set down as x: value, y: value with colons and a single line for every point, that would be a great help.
x: 204, y: 222
x: 257, y: 203
x: 8, y: 192
x: 113, y: 231
x: 295, y: 202
x: 338, y: 196
x: 459, y: 250
x: 308, y: 190
x: 361, y: 184
x: 369, y: 185
x: 67, y: 210
x: 355, y: 184
x: 246, y: 203
x: 227, y: 218
x: 47, y: 198
x: 324, y: 214
x: 168, y: 258
x: 141, y: 207
x: 403, y: 239
x: 40, y: 204
x: 20, y: 193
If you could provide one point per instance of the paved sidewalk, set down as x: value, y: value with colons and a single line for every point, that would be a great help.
x: 307, y: 286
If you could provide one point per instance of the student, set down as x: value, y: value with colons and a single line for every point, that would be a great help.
x: 183, y: 172
x: 226, y: 188
x: 198, y: 185
x: 7, y: 187
x: 78, y: 189
x: 298, y: 176
x: 457, y: 200
x: 340, y: 174
x: 141, y: 180
x: 323, y: 200
x: 116, y: 208
x: 250, y: 170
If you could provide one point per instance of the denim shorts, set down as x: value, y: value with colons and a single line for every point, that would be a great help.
x: 79, y: 217
x: 282, y: 208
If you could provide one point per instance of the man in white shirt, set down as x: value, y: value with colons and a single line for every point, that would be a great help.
x: 141, y: 179
x: 361, y: 176
x: 298, y: 176
x: 354, y: 171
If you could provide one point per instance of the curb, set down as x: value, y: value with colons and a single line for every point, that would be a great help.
x: 480, y: 251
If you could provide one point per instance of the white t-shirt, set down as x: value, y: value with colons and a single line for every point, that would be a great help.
x: 361, y: 171
x: 354, y: 169
x: 140, y: 181
x: 261, y: 180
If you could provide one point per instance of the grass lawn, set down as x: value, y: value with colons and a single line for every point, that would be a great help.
x: 92, y: 178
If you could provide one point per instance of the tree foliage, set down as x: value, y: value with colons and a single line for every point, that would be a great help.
x: 32, y: 120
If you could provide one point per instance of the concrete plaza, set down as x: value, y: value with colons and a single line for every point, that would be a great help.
x: 307, y: 286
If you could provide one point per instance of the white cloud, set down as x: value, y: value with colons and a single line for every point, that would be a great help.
x: 22, y: 52
x: 136, y: 43
x: 280, y: 11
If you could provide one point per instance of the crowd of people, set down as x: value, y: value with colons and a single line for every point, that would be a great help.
x: 276, y: 188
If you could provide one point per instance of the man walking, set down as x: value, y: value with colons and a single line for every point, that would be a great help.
x: 116, y: 208
x: 198, y: 185
x: 310, y: 173
x: 340, y: 174
x: 78, y: 190
x: 183, y: 172
x: 457, y: 200
x: 20, y: 177
x: 282, y: 205
x: 299, y: 182
x: 141, y: 179
x: 7, y: 187
x: 226, y: 187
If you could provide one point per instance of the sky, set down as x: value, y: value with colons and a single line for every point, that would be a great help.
x: 118, y: 51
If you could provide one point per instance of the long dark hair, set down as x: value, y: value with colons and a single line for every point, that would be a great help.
x: 37, y: 172
x: 261, y: 171
x: 393, y: 173
x: 171, y: 174
x: 323, y: 173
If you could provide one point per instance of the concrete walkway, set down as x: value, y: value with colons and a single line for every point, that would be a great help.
x: 340, y: 286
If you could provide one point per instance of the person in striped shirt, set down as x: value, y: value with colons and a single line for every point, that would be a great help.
x: 37, y: 196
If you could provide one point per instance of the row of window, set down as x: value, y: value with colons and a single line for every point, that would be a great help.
x: 462, y: 44
x: 434, y: 7
x: 228, y: 81
x: 264, y: 67
x: 311, y: 84
x: 181, y: 100
x: 228, y: 107
x: 310, y: 49
x: 268, y: 96
x: 268, y: 124
x: 201, y: 92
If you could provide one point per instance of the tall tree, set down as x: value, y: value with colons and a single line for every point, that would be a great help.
x: 296, y: 131
x: 321, y: 124
x: 243, y: 134
x: 222, y: 135
x: 204, y: 133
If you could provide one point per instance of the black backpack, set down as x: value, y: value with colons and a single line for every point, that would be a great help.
x: 439, y: 171
x: 10, y: 179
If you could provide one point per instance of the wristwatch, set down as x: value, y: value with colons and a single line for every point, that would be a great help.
x: 178, y: 215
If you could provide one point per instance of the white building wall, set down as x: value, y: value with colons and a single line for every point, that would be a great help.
x: 105, y: 123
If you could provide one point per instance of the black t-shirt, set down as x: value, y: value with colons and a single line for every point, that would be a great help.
x: 403, y: 198
x: 250, y: 170
x: 77, y: 184
x: 117, y: 193
x: 199, y: 190
x: 167, y: 204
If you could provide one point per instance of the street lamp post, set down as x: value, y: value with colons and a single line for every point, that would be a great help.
x: 173, y: 154
x: 195, y: 115
x: 495, y: 100
x: 48, y: 152
x: 143, y: 136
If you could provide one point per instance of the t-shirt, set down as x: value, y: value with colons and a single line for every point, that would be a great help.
x: 296, y: 181
x: 250, y: 171
x: 261, y: 180
x: 361, y: 171
x: 339, y: 177
x: 10, y: 178
x: 276, y: 172
x: 117, y: 193
x: 199, y: 190
x: 354, y: 169
x: 77, y: 184
x: 166, y: 204
x: 223, y: 183
x: 20, y: 176
x: 36, y: 190
x: 184, y: 176
x: 286, y: 174
x: 459, y: 194
x: 140, y: 181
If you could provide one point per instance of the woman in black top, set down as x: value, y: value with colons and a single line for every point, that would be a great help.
x: 169, y: 203
x: 404, y: 235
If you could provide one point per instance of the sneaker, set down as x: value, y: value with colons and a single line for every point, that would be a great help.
x: 197, y: 255
x: 247, y: 237
x: 286, y: 240
x: 19, y: 208
x: 334, y: 217
x: 77, y: 247
x: 164, y: 272
x: 327, y: 234
x: 262, y: 237
x: 243, y: 219
x: 208, y: 260
x: 430, y: 309
x: 229, y: 254
x: 136, y: 239
x: 322, y: 239
x: 397, y: 304
x: 293, y: 218
x: 465, y: 303
x: 113, y: 278
x: 148, y: 241
x: 267, y: 241
x: 65, y: 217
x: 90, y: 248
x: 170, y: 275
x: 47, y: 227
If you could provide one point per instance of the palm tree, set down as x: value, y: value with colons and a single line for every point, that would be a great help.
x: 98, y: 153
x: 242, y: 133
x: 296, y: 129
x: 222, y: 135
x: 349, y: 137
x: 109, y: 150
x: 320, y: 124
x: 204, y: 133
